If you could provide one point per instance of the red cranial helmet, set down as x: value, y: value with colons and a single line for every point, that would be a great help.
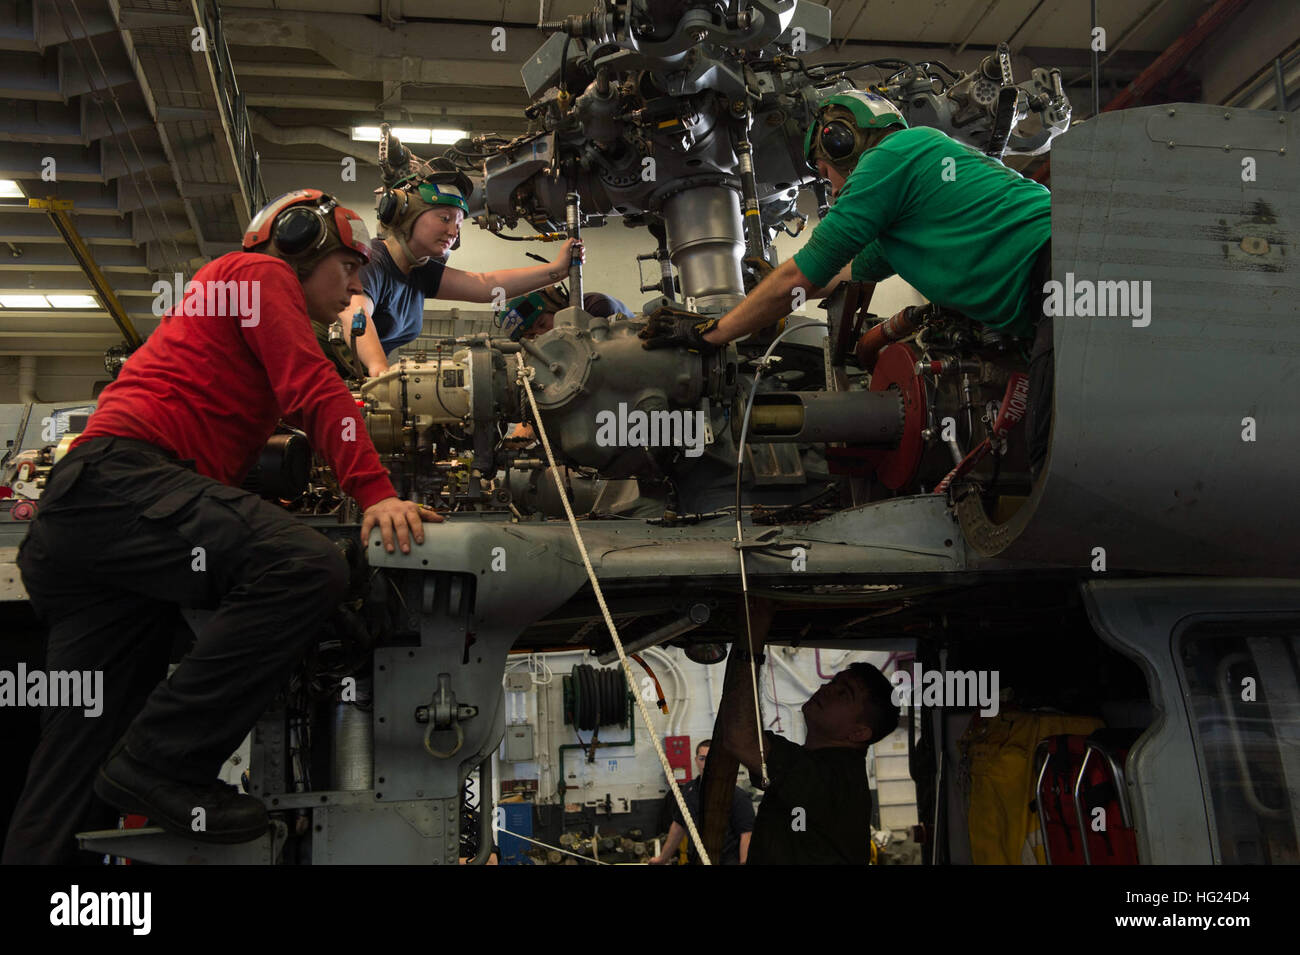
x: 304, y: 226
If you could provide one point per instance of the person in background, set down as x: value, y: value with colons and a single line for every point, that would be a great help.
x: 531, y: 315
x: 735, y: 849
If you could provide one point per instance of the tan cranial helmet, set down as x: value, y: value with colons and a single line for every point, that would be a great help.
x: 399, y: 206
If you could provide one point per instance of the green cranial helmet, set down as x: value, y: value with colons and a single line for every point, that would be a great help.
x: 520, y: 314
x: 839, y: 131
x: 447, y: 193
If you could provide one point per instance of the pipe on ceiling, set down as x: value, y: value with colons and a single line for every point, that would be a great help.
x: 27, y: 380
x: 309, y: 136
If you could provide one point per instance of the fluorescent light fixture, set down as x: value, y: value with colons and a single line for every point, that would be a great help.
x: 24, y: 301
x: 412, y: 134
x: 73, y: 301
x: 9, y: 189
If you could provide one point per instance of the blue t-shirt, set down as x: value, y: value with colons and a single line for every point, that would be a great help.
x: 399, y: 299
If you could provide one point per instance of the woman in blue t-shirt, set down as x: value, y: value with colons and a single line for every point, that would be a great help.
x: 420, y: 222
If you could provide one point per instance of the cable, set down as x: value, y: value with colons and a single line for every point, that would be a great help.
x: 525, y: 379
x: 740, y: 534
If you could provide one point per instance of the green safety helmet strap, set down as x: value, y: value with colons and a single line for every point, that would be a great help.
x: 830, y: 135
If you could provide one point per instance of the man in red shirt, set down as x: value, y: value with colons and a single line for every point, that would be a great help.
x: 142, y: 518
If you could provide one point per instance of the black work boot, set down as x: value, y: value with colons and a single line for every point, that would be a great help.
x: 228, y: 816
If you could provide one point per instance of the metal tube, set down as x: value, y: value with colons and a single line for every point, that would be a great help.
x: 705, y: 241
x: 352, y: 765
x: 699, y: 614
x: 1280, y: 80
x: 872, y: 418
x: 572, y: 211
x: 753, y: 222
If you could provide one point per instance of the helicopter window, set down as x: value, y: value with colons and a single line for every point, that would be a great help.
x: 1243, y: 681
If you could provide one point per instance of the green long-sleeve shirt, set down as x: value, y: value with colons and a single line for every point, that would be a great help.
x: 961, y: 228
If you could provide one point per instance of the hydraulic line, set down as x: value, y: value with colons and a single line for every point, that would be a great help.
x: 662, y: 701
x: 574, y: 216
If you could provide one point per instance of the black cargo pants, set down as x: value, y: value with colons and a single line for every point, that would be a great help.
x: 1041, y: 363
x: 126, y: 535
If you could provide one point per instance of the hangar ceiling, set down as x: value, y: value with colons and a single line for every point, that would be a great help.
x: 158, y: 138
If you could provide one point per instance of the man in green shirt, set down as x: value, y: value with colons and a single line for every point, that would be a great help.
x: 965, y: 231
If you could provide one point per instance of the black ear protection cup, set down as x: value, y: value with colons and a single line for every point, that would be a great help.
x: 298, y: 229
x: 455, y: 245
x: 838, y: 139
x: 388, y: 208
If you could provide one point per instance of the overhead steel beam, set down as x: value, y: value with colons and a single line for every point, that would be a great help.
x: 182, y: 27
x: 92, y: 198
x: 1133, y: 27
x: 22, y: 160
x: 38, y: 122
x: 21, y: 227
x: 49, y: 337
x: 127, y: 284
x: 53, y: 26
x: 114, y: 164
x: 10, y: 351
x: 361, y: 105
x: 129, y: 19
x: 364, y: 49
x: 48, y: 257
x: 1178, y: 52
x: 30, y: 76
x: 290, y: 71
x: 58, y: 210
x: 83, y: 323
x: 959, y: 48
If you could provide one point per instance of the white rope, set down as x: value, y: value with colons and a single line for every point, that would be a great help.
x: 548, y: 846
x: 525, y: 374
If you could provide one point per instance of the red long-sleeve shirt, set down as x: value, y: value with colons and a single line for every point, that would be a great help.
x: 211, y: 389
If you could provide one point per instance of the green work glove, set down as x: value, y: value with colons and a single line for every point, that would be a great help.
x: 670, y: 327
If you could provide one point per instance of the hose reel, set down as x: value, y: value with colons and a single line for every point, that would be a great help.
x: 595, y: 698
